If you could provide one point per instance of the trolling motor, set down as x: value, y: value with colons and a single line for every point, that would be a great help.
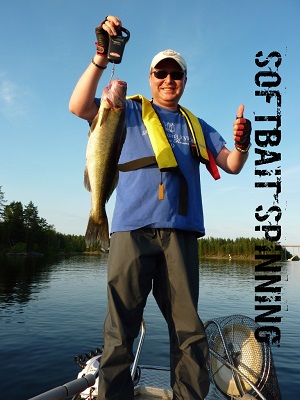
x: 116, y: 46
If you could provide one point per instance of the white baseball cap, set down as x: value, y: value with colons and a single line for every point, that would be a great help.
x: 169, y: 54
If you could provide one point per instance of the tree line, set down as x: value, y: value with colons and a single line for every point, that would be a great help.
x: 22, y: 230
x: 237, y: 248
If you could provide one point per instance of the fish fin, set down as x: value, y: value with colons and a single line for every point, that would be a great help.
x: 97, y: 233
x: 86, y: 181
x: 94, y: 123
x: 103, y: 115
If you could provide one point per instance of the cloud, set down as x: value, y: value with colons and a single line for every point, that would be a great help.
x: 8, y: 93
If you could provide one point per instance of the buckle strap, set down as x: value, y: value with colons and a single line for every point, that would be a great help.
x: 137, y: 164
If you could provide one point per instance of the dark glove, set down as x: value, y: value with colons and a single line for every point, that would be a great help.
x: 102, y: 39
x: 242, y: 132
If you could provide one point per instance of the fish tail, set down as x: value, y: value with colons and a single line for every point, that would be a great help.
x: 97, y: 233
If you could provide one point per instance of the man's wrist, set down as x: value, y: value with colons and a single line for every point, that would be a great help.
x: 242, y: 149
x: 100, y: 60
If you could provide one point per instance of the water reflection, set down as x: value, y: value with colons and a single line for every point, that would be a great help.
x: 53, y: 310
x: 23, y: 278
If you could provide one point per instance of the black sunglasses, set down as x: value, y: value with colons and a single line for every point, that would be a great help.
x: 162, y: 74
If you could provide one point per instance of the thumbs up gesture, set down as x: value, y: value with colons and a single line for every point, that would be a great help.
x: 241, y: 131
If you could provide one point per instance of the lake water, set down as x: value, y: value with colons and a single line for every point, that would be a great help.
x: 51, y: 311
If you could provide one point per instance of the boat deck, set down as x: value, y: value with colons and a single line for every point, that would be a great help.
x: 149, y: 393
x: 154, y: 385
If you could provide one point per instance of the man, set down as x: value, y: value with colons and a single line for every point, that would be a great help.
x: 157, y: 220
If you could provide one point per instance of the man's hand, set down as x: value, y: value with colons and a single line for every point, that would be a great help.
x: 241, y: 131
x: 109, y: 26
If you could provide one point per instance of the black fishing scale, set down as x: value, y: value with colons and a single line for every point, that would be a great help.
x: 116, y: 46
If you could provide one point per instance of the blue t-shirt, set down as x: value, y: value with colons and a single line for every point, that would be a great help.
x: 137, y: 203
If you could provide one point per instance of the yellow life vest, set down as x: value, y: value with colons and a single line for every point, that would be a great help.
x: 164, y: 155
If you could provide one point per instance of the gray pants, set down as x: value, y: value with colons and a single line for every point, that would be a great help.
x: 166, y: 261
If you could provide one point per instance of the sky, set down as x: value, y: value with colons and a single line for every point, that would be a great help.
x: 46, y: 45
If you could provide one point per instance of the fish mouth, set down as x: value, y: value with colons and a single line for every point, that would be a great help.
x: 115, y: 93
x: 122, y: 83
x: 115, y: 83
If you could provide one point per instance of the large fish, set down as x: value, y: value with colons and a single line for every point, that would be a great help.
x: 106, y: 138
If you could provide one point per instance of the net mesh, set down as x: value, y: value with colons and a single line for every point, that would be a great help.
x: 238, y: 361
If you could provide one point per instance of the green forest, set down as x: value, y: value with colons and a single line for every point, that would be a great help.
x: 241, y: 248
x: 22, y: 231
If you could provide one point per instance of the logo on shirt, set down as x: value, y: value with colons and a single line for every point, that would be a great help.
x: 174, y: 137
